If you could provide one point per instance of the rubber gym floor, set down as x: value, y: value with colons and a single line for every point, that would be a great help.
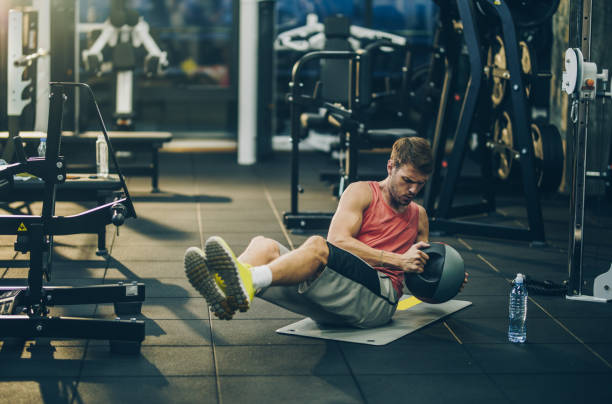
x: 189, y: 357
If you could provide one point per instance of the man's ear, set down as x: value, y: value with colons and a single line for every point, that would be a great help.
x: 390, y: 166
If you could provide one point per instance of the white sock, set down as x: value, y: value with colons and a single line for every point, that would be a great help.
x: 262, y: 276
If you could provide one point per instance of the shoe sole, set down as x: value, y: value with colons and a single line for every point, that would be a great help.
x: 222, y: 260
x: 203, y: 281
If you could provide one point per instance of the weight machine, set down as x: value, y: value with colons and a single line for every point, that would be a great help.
x: 295, y: 219
x: 354, y: 134
x: 123, y: 31
x: 346, y: 95
x: 584, y: 84
x: 24, y: 310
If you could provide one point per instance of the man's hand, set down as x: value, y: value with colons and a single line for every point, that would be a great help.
x: 414, y: 259
x: 465, y: 280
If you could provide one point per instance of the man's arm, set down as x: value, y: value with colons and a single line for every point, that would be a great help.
x: 346, y: 223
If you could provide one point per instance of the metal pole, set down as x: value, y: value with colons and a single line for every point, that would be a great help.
x: 77, y: 67
x: 577, y: 196
x: 247, y: 83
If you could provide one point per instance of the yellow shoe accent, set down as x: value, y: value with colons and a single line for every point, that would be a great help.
x: 219, y: 282
x: 235, y: 275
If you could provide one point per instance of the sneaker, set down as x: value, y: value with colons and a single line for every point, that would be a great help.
x: 204, y: 282
x: 236, y: 275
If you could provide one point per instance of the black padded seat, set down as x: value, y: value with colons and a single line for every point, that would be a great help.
x: 386, y: 137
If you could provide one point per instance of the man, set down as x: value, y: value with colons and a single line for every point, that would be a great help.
x: 355, y: 277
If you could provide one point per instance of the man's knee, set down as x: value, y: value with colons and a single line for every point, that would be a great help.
x: 317, y: 246
x: 267, y: 246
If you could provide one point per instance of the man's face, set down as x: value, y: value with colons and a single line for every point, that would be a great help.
x: 405, y: 183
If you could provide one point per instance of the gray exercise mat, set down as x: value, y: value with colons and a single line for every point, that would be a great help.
x: 412, y: 314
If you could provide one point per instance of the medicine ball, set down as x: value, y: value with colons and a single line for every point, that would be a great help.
x: 442, y: 276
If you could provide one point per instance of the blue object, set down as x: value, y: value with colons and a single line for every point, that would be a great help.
x: 517, y: 328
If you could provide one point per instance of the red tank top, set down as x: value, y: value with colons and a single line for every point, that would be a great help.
x: 384, y: 229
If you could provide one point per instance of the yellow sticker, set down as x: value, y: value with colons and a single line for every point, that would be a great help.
x: 22, y: 227
x: 408, y: 303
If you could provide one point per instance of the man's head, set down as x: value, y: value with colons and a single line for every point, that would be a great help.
x: 409, y: 167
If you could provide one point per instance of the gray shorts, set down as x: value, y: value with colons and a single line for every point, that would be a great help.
x: 347, y: 292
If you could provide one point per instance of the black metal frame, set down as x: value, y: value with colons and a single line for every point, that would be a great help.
x: 294, y: 219
x: 354, y: 131
x: 35, y: 235
x: 475, y: 104
x: 98, y: 190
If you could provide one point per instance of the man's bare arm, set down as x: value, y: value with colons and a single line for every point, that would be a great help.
x: 423, y: 229
x: 345, y: 226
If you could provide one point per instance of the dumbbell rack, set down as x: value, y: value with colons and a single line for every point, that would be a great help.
x: 24, y: 310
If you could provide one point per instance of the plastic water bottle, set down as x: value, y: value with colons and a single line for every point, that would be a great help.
x: 42, y: 147
x: 517, y: 329
x: 101, y: 156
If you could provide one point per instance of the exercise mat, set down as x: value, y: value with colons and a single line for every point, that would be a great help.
x: 411, y: 315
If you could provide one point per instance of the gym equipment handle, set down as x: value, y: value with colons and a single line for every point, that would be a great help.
x: 118, y: 217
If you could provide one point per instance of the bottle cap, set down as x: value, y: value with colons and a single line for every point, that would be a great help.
x: 519, y: 278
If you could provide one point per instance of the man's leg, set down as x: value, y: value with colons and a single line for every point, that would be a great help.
x: 288, y: 269
x: 260, y: 251
x: 291, y: 268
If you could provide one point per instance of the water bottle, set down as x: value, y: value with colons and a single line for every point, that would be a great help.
x: 42, y: 147
x: 517, y: 329
x: 101, y: 157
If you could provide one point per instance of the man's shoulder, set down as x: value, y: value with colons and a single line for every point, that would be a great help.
x: 359, y: 185
x: 359, y: 192
x: 421, y: 210
x: 417, y: 206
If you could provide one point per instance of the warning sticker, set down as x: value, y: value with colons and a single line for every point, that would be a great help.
x: 22, y: 227
x: 131, y: 290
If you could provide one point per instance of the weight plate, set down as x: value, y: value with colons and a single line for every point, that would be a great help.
x: 548, y: 153
x: 526, y: 65
x: 503, y: 136
x: 496, y: 60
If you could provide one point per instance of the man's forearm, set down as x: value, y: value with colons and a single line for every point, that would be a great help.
x: 374, y: 257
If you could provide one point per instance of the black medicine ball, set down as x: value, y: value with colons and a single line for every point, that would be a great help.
x: 442, y: 276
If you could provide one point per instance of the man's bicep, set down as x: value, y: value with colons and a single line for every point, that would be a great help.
x: 345, y: 223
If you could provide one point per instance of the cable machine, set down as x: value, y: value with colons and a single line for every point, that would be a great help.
x: 584, y: 84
